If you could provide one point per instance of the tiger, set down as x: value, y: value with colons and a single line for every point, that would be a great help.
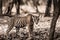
x: 20, y: 22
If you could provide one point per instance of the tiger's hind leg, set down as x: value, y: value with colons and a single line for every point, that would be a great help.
x: 8, y: 30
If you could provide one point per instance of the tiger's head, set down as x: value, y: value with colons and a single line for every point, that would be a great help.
x: 36, y: 18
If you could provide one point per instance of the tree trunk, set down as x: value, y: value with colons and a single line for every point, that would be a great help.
x: 0, y: 7
x: 21, y: 2
x: 10, y: 6
x: 17, y: 4
x: 54, y: 20
x: 47, y: 12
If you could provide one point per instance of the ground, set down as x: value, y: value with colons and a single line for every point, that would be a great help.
x: 41, y: 30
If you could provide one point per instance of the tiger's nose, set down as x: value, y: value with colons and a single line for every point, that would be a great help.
x: 36, y: 22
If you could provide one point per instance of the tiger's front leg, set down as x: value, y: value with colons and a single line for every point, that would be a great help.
x: 30, y: 33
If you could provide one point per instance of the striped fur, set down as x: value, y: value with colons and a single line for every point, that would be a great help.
x: 20, y: 22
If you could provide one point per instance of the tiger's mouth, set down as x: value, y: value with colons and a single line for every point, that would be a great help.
x: 37, y: 22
